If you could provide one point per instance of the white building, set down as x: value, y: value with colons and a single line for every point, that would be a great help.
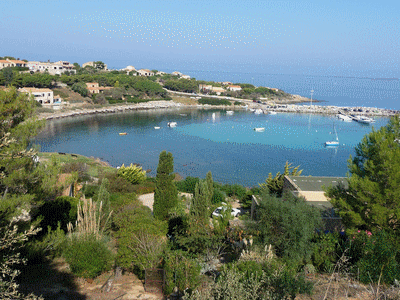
x: 11, y: 63
x: 145, y: 72
x: 234, y: 88
x: 43, y: 96
x: 56, y: 68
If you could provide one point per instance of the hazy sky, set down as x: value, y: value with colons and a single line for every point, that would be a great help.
x: 301, y: 37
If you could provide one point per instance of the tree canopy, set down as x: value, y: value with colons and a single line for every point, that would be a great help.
x: 372, y: 199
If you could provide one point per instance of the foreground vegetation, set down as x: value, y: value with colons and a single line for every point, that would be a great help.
x: 101, y: 224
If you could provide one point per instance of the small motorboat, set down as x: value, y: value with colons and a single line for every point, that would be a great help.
x: 122, y: 133
x: 272, y: 112
x: 229, y: 112
x: 364, y: 119
x: 258, y: 111
x: 344, y: 118
x: 157, y: 127
x: 259, y: 129
x: 172, y: 124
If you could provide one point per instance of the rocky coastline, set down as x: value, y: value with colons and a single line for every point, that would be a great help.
x: 288, y: 108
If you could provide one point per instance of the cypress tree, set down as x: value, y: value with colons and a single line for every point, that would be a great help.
x: 210, y: 186
x: 166, y: 194
x: 200, y: 201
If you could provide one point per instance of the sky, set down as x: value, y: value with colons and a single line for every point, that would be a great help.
x: 340, y: 38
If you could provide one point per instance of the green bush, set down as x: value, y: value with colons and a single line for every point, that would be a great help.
x: 218, y: 196
x: 118, y: 184
x: 87, y: 256
x: 284, y: 282
x: 90, y: 190
x: 181, y: 272
x: 214, y: 101
x: 379, y: 261
x: 61, y: 210
x: 141, y: 238
x: 144, y: 188
x: 325, y: 253
x: 134, y: 174
x: 235, y: 190
x: 288, y: 224
x: 119, y: 200
x: 188, y: 185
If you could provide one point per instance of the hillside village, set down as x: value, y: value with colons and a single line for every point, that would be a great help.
x: 49, y: 96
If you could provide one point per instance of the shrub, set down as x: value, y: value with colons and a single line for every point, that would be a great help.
x: 87, y: 256
x: 134, y: 174
x: 218, y: 196
x: 214, y: 101
x: 188, y: 185
x: 144, y: 188
x: 288, y: 224
x: 325, y: 254
x: 141, y: 238
x: 76, y: 166
x: 118, y: 184
x: 236, y: 190
x: 61, y: 210
x: 379, y: 263
x: 181, y: 272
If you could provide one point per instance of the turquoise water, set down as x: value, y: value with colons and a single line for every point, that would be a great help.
x: 226, y: 145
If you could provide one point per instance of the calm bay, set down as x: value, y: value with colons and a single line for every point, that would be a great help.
x: 211, y: 140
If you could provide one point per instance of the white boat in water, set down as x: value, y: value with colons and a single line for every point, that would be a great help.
x: 229, y: 112
x: 157, y: 127
x: 333, y: 143
x: 259, y: 129
x: 364, y: 119
x: 172, y: 124
x: 344, y: 118
x: 272, y: 112
x: 258, y: 111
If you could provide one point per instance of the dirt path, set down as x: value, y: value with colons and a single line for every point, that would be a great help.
x: 148, y: 199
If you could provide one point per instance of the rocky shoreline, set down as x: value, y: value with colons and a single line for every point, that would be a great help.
x: 290, y: 108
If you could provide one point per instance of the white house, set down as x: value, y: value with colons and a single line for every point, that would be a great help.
x: 56, y: 68
x: 11, y: 63
x: 185, y: 76
x: 176, y: 73
x: 234, y: 88
x: 145, y: 72
x: 43, y: 96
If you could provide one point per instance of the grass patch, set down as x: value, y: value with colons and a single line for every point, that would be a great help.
x: 94, y: 165
x: 61, y: 93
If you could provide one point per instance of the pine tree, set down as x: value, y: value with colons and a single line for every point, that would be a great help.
x: 372, y: 199
x: 166, y: 194
x: 275, y: 184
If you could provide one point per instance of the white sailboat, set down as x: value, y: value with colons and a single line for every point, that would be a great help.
x: 335, y: 142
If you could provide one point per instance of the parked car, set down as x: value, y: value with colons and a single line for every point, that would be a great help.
x: 218, y: 211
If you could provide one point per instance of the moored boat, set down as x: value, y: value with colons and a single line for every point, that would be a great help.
x: 344, y: 118
x: 364, y: 119
x: 259, y: 129
x: 172, y: 124
x: 229, y: 112
x: 333, y: 143
x: 122, y: 133
x: 258, y: 111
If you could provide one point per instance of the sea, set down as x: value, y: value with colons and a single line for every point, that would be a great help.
x: 211, y: 140
x: 380, y: 92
